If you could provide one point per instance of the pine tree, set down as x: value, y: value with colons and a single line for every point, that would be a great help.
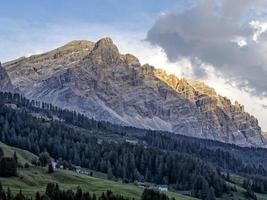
x: 110, y: 174
x: 37, y: 196
x: 1, y: 188
x: 9, y: 194
x: 50, y: 168
x: 15, y: 157
x: 228, y: 176
x: 44, y: 159
x: 211, y: 194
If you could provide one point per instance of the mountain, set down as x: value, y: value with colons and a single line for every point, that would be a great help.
x: 98, y: 81
x: 5, y: 83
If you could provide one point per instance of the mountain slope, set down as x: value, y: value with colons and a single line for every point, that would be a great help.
x: 5, y: 83
x: 32, y: 180
x: 95, y: 79
x: 22, y: 155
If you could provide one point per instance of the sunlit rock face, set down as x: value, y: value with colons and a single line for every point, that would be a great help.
x: 95, y: 79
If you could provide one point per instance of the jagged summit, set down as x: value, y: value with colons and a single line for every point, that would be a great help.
x: 105, y: 43
x: 105, y: 52
x: 99, y: 81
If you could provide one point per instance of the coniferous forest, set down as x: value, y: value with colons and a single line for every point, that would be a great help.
x: 181, y: 162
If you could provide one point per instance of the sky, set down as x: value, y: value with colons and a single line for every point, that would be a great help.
x: 222, y: 42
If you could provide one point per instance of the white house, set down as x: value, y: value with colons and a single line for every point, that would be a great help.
x: 54, y: 164
x: 163, y: 188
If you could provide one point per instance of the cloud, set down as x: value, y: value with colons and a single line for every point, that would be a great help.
x: 229, y: 35
x: 259, y: 28
x: 240, y: 8
x: 240, y: 41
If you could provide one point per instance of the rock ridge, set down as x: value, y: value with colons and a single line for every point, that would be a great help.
x: 99, y: 81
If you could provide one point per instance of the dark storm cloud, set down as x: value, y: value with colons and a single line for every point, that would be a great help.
x: 218, y: 33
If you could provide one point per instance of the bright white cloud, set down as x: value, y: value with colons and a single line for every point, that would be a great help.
x: 240, y: 41
x: 259, y: 27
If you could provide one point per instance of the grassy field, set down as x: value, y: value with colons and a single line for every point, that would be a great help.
x: 239, y: 195
x: 35, y: 179
x: 23, y: 156
x: 32, y: 180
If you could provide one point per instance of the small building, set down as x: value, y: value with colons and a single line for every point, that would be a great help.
x: 84, y: 171
x: 54, y: 165
x: 140, y: 184
x: 151, y: 186
x: 77, y: 169
x: 144, y: 185
x: 163, y: 188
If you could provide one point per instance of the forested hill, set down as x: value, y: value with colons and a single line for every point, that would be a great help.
x: 204, y: 149
x: 178, y: 161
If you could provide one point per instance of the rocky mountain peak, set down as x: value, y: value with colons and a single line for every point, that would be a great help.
x: 105, y: 52
x: 105, y: 43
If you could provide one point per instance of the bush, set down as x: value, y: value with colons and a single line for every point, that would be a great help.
x: 26, y: 165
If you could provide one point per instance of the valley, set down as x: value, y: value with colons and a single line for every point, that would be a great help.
x: 140, y: 150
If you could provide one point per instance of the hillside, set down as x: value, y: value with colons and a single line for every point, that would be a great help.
x: 237, y: 182
x: 5, y: 83
x: 95, y: 79
x: 32, y: 180
x: 22, y: 155
x: 156, y: 157
x: 35, y: 179
x: 98, y: 149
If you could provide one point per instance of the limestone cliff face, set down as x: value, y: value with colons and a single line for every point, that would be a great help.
x: 229, y: 120
x: 5, y: 83
x: 95, y: 79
